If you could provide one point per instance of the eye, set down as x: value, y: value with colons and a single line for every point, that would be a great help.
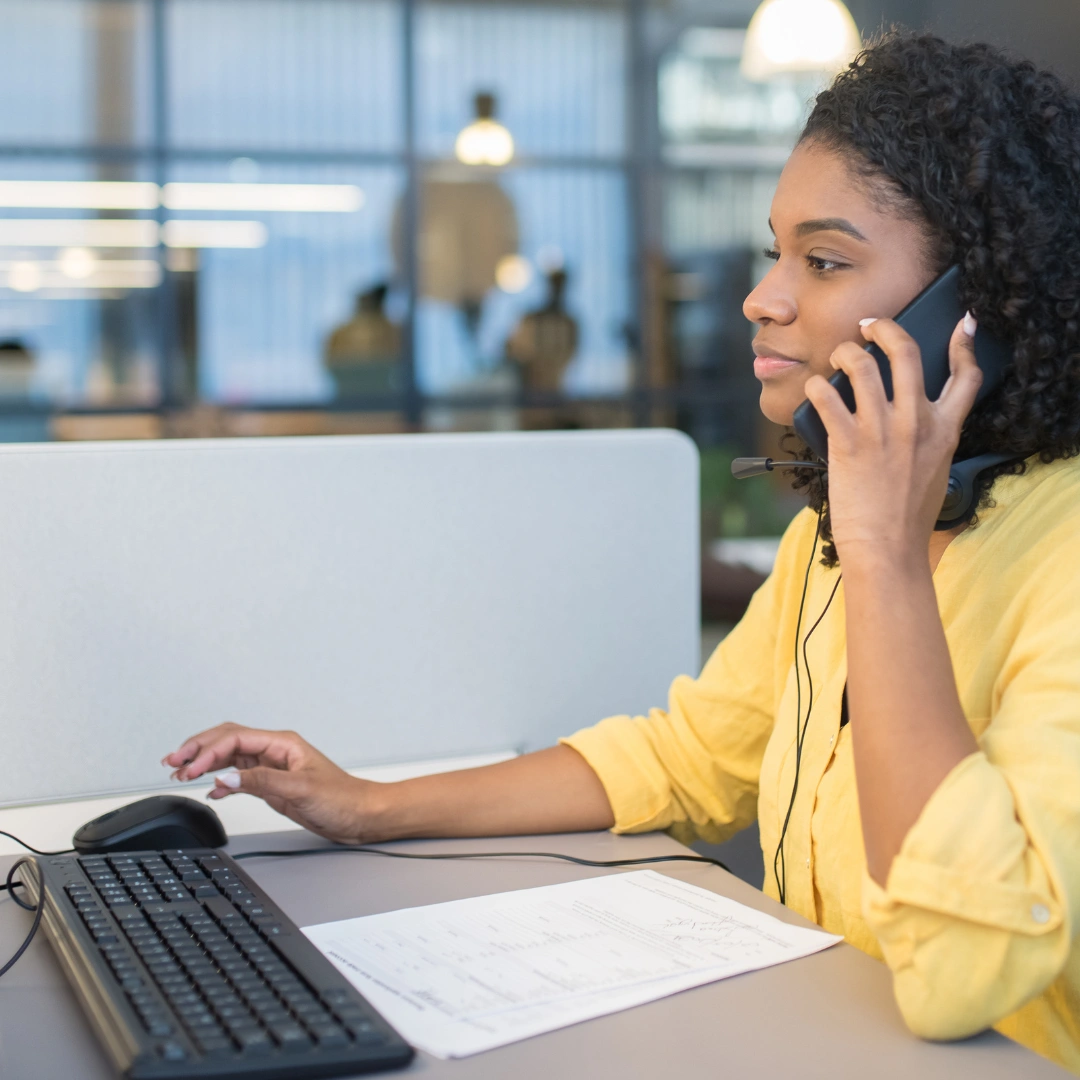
x: 823, y: 266
x: 771, y: 253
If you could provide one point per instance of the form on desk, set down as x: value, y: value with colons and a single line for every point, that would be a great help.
x: 469, y: 975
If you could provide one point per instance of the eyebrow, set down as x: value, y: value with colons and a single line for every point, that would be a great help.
x: 832, y: 224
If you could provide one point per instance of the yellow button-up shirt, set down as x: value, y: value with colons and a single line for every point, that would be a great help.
x: 978, y: 917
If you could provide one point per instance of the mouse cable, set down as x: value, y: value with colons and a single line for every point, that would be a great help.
x: 481, y: 855
x: 9, y: 885
x: 38, y: 910
x: 403, y: 855
x: 34, y: 850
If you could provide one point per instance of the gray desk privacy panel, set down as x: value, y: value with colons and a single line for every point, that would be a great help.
x: 392, y: 598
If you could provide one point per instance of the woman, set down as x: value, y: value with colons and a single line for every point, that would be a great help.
x: 939, y: 829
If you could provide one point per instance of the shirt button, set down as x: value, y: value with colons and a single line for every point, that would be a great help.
x: 831, y: 738
x: 1040, y: 913
x: 1041, y: 920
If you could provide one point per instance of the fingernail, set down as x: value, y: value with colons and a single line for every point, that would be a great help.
x: 866, y: 322
x: 165, y: 760
x: 229, y: 779
x: 970, y: 325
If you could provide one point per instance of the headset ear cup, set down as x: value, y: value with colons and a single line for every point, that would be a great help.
x: 957, y: 501
x: 960, y: 494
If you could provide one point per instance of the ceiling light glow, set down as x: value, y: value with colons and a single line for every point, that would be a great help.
x: 25, y: 277
x: 340, y: 198
x: 787, y: 36
x: 78, y: 232
x: 79, y: 194
x: 485, y: 141
x: 28, y: 276
x: 77, y: 263
x: 513, y: 273
x: 180, y: 233
x: 125, y: 195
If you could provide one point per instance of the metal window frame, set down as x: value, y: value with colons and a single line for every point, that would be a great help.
x: 638, y: 164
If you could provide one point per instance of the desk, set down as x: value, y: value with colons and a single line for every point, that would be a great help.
x: 831, y: 1015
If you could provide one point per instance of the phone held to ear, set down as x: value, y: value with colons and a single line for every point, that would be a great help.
x: 930, y: 319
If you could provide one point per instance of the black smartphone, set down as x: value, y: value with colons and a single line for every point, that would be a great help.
x: 930, y: 319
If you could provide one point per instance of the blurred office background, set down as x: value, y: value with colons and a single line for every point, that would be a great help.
x: 244, y: 217
x: 298, y: 217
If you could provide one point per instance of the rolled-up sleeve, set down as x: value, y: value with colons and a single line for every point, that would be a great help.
x: 694, y: 768
x: 977, y: 915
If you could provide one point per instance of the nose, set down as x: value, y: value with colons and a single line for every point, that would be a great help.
x: 769, y: 301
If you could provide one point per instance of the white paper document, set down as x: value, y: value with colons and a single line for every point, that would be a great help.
x: 469, y: 975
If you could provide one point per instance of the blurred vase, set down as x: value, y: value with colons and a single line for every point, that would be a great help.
x: 363, y: 356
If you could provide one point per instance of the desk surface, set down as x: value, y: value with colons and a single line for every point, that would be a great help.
x: 831, y: 1015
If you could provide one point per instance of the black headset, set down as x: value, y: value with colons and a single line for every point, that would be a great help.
x: 959, y: 496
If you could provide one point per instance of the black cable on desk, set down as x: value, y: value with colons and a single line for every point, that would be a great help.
x: 481, y: 855
x: 9, y: 885
x: 23, y: 843
x: 39, y: 909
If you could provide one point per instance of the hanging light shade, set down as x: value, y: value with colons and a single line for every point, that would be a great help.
x: 485, y: 141
x: 799, y: 36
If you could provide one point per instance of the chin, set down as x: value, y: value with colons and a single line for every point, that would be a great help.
x: 778, y: 411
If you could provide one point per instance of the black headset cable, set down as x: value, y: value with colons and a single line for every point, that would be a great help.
x: 780, y: 875
x: 801, y: 725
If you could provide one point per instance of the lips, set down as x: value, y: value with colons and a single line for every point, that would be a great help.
x: 766, y: 367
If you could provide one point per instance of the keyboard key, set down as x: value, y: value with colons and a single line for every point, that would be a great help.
x: 366, y: 1034
x: 290, y: 1037
x: 330, y: 1036
x: 253, y: 1041
x: 172, y: 1051
x: 271, y: 1015
x: 181, y: 999
x: 200, y: 1021
x: 311, y: 1012
x: 214, y: 1046
x: 233, y: 1013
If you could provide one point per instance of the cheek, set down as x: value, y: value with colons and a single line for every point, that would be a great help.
x: 822, y: 365
x: 831, y: 326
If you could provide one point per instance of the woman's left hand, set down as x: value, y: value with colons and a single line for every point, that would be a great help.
x: 889, y: 460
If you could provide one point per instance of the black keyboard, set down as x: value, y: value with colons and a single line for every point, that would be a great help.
x: 186, y: 968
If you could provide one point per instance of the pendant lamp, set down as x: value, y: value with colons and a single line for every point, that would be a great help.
x: 485, y: 141
x: 791, y: 36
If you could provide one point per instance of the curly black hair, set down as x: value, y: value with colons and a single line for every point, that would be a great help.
x: 984, y: 152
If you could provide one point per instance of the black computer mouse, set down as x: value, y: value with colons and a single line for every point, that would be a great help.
x: 154, y: 824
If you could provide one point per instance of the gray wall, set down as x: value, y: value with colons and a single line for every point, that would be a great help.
x: 1045, y: 31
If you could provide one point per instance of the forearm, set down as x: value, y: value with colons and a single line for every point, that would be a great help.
x: 908, y: 727
x: 552, y: 790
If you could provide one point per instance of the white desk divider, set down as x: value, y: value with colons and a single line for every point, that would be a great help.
x: 393, y: 598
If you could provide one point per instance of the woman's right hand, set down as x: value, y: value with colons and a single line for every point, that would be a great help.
x: 287, y: 772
